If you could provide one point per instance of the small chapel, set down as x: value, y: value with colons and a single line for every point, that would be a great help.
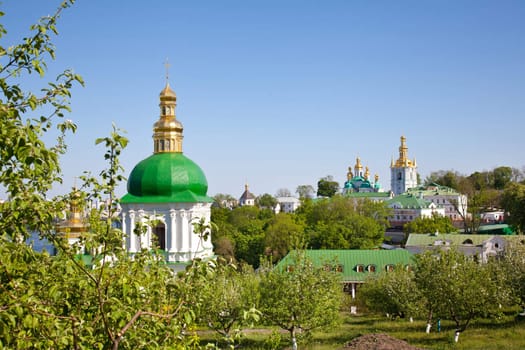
x: 169, y: 190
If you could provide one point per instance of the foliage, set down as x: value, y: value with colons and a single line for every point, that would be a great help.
x: 458, y: 288
x: 28, y: 167
x: 230, y: 297
x: 342, y: 223
x: 513, y: 269
x: 283, y: 192
x: 327, y: 187
x: 105, y: 300
x: 224, y: 200
x: 303, y: 297
x: 394, y: 293
x: 514, y: 203
x: 282, y: 235
x: 435, y: 223
x: 266, y: 201
x: 241, y: 232
x: 305, y: 191
x: 483, y: 189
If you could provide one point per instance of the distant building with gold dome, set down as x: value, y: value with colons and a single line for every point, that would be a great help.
x: 170, y: 189
x: 359, y: 181
x: 403, y: 172
x: 75, y: 225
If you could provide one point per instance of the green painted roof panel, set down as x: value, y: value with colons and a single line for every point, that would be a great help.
x: 350, y: 259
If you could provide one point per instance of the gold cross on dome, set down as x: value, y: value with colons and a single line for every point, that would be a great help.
x: 167, y: 65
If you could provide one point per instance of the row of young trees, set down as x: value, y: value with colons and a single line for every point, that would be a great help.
x: 449, y: 285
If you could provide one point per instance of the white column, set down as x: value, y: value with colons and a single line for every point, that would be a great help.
x: 171, y: 232
x: 353, y: 290
x: 183, y: 233
x: 131, y: 233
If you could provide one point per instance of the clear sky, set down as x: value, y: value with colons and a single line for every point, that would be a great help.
x: 279, y: 93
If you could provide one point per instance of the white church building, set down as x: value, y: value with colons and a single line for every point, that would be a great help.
x: 170, y: 190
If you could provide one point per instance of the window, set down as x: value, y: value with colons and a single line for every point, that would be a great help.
x: 389, y: 268
x: 339, y: 268
x: 289, y: 268
x: 360, y: 268
x: 371, y: 268
x: 327, y: 267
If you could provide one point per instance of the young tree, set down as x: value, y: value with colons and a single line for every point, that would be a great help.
x: 300, y: 297
x: 458, y: 288
x: 394, y: 293
x: 230, y: 297
x: 513, y: 269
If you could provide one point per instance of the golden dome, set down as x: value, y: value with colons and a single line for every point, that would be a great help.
x: 167, y: 92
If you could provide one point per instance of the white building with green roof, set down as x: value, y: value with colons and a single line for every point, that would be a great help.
x: 479, y: 246
x: 455, y: 203
x: 407, y: 207
x: 169, y: 188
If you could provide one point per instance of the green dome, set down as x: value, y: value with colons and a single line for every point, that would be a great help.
x: 167, y: 177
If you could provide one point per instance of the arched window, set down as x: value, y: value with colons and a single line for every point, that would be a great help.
x: 371, y: 268
x: 389, y: 268
x: 360, y: 268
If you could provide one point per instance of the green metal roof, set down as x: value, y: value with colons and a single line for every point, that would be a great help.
x: 167, y: 178
x: 349, y: 260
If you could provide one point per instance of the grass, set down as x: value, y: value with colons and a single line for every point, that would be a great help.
x: 483, y: 334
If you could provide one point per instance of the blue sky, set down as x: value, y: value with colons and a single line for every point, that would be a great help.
x: 281, y: 93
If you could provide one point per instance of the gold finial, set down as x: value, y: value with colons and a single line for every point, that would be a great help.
x: 167, y: 65
x: 367, y: 173
x: 376, y: 177
x: 349, y: 174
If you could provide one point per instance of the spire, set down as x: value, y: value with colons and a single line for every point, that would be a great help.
x: 358, y: 168
x: 167, y: 131
x: 403, y: 161
x: 403, y: 150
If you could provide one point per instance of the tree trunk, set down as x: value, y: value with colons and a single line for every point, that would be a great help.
x: 294, y: 340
